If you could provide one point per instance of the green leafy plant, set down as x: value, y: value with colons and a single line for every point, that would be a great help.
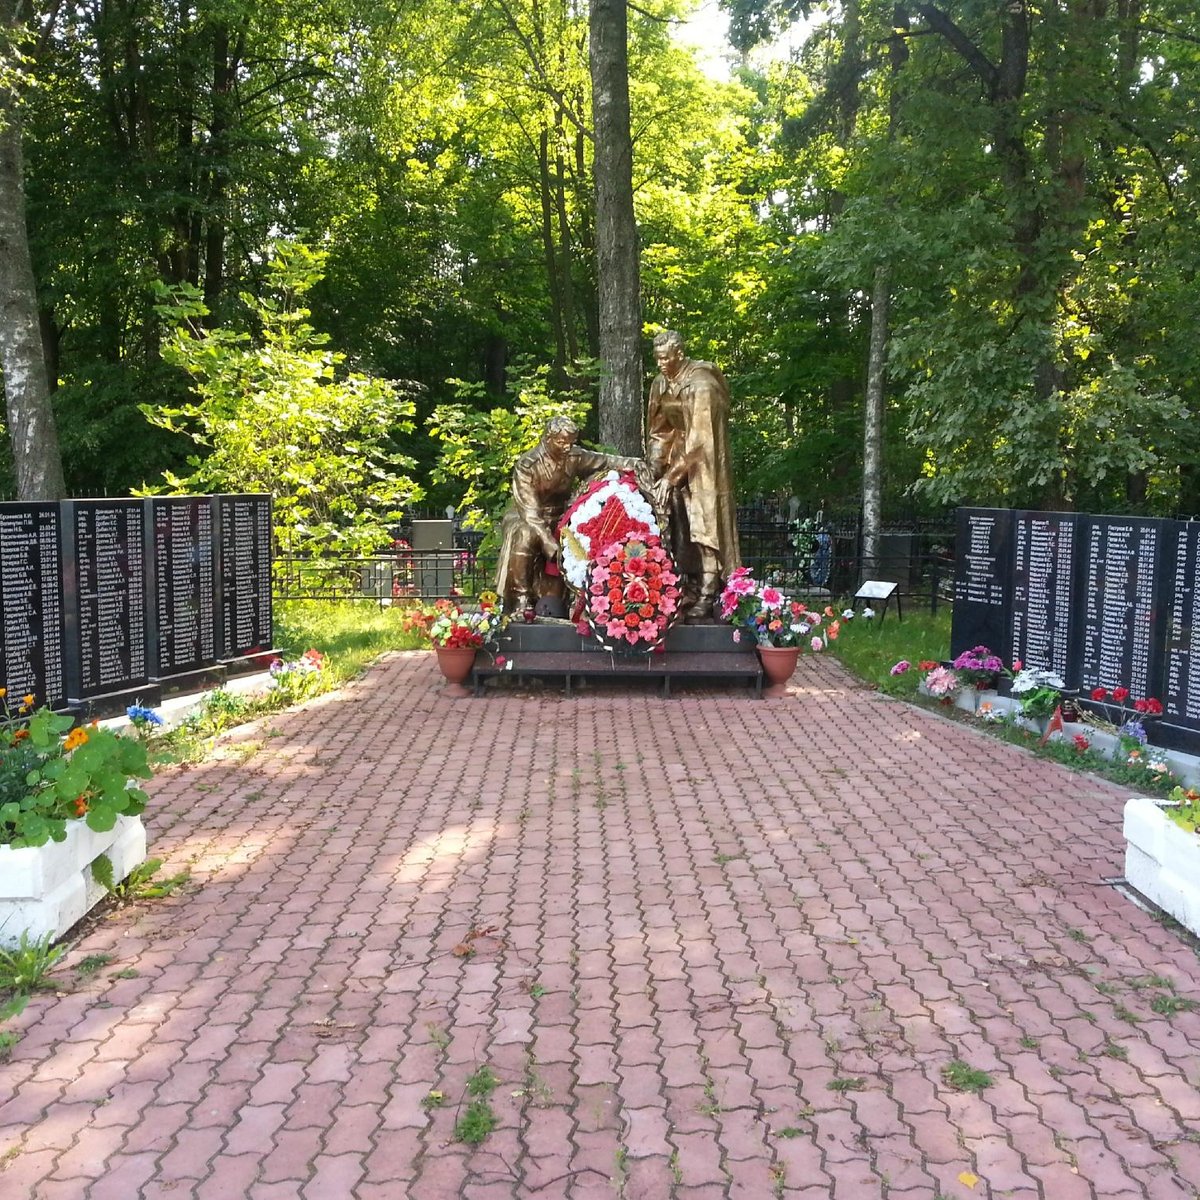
x: 140, y: 883
x: 51, y: 774
x: 24, y: 967
x: 1184, y: 809
x: 282, y: 415
x: 476, y: 1123
x: 964, y: 1078
x: 478, y: 448
x: 92, y: 963
x: 483, y: 1082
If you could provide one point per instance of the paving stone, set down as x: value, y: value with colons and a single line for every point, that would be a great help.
x: 736, y: 930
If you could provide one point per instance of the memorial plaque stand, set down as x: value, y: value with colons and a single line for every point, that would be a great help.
x: 1044, y: 624
x: 32, y: 654
x: 181, y: 594
x: 103, y: 543
x: 982, y: 580
x: 244, y: 565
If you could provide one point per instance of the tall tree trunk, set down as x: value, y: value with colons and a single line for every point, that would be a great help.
x: 549, y: 253
x: 872, y: 481
x: 36, y: 459
x: 874, y: 405
x: 616, y: 230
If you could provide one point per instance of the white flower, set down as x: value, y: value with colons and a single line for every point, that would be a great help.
x: 847, y: 614
x: 868, y: 613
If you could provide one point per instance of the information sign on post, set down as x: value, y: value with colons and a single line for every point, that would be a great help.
x: 103, y: 544
x: 1121, y: 628
x: 1042, y: 625
x: 32, y: 659
x: 244, y: 537
x: 182, y: 583
x: 982, y: 579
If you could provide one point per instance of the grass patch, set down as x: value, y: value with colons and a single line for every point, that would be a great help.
x: 962, y: 1077
x: 351, y: 633
x: 483, y: 1082
x: 25, y: 966
x: 871, y: 648
x: 476, y: 1123
x: 846, y: 1085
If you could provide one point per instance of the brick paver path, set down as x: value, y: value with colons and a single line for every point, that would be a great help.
x: 710, y: 947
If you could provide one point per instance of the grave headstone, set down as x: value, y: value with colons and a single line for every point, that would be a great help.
x: 32, y: 658
x: 103, y: 543
x: 983, y: 586
x: 244, y: 535
x: 182, y: 581
x: 1045, y: 555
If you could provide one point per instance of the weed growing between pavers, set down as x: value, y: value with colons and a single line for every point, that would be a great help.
x: 964, y: 1078
x: 25, y: 966
x: 479, y: 1120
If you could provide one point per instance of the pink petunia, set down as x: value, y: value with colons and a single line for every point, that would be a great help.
x: 817, y: 645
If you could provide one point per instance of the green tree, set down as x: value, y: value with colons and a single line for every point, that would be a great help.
x: 276, y: 413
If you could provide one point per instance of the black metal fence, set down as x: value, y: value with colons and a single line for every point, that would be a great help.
x: 825, y: 559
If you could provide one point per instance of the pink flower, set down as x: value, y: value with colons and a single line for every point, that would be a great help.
x: 739, y: 585
x: 817, y: 645
x: 583, y: 629
x: 772, y: 597
x: 737, y: 635
x: 900, y: 667
x: 500, y: 660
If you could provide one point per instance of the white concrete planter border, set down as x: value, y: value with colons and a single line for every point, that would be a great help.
x: 1162, y: 861
x: 46, y: 889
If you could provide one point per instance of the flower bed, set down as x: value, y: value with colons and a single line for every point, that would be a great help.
x: 1162, y: 860
x: 67, y: 796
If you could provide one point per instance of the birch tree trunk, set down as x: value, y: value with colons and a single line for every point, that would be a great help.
x: 36, y: 460
x: 872, y: 481
x: 616, y: 231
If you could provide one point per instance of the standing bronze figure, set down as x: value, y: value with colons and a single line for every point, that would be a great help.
x: 687, y: 431
x: 542, y: 482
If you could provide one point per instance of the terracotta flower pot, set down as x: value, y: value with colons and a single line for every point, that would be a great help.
x: 455, y: 663
x: 778, y: 663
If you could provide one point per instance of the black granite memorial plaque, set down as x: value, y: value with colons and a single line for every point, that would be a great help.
x: 1043, y: 596
x: 1181, y: 688
x: 32, y: 658
x: 982, y: 579
x: 182, y: 600
x: 1122, y: 631
x: 244, y: 536
x: 104, y: 596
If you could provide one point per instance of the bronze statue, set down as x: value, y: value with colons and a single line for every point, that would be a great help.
x: 687, y: 432
x: 542, y: 482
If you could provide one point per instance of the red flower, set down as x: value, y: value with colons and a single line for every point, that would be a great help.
x: 926, y: 664
x: 646, y: 611
x: 1120, y: 694
x: 632, y: 620
x: 1141, y: 706
x: 1081, y: 742
x: 1154, y: 707
x: 1099, y: 693
x: 618, y: 608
